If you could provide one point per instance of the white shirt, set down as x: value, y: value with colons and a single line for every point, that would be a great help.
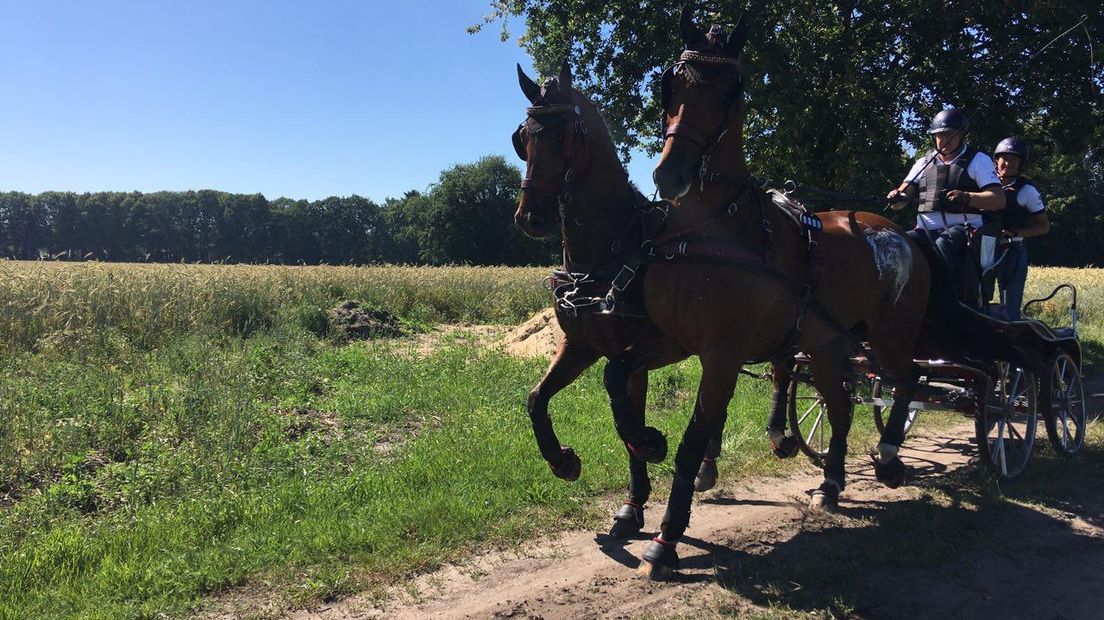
x: 981, y: 169
x: 1029, y: 198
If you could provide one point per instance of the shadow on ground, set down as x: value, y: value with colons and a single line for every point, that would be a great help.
x: 965, y: 548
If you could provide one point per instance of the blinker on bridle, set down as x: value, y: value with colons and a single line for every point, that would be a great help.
x: 575, y: 127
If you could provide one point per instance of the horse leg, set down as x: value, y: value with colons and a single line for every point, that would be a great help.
x: 719, y: 374
x: 783, y: 444
x: 707, y: 473
x: 629, y: 519
x: 826, y: 364
x: 643, y: 442
x: 571, y: 359
x: 901, y: 374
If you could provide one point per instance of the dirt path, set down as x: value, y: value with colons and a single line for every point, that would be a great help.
x: 946, y: 544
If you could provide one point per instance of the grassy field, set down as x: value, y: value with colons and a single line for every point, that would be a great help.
x: 169, y: 432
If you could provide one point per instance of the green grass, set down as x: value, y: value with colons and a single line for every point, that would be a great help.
x: 149, y: 480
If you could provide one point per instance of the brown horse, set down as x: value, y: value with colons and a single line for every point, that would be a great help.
x: 574, y: 180
x: 735, y: 279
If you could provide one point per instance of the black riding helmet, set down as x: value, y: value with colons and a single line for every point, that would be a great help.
x: 1015, y: 145
x: 950, y: 119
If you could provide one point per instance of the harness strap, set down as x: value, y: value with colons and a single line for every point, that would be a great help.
x: 531, y: 183
x: 688, y: 132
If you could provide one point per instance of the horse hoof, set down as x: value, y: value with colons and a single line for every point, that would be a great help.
x: 826, y: 501
x: 660, y: 560
x: 707, y: 475
x: 652, y: 447
x: 786, y: 448
x: 891, y: 473
x: 627, y: 521
x: 569, y: 466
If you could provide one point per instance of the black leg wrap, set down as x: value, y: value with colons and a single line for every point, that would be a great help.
x: 650, y: 446
x: 834, y: 464
x: 894, y: 433
x: 640, y: 486
x: 777, y: 420
x: 568, y: 467
x: 547, y: 442
x: 644, y: 442
x: 786, y: 447
x: 628, y: 520
x: 707, y: 475
x: 826, y: 496
x: 891, y: 473
x: 677, y: 517
x: 659, y: 559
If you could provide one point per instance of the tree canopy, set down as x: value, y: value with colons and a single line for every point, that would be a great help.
x: 839, y: 94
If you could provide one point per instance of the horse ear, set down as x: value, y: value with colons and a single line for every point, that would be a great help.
x: 528, y: 87
x: 565, y: 79
x: 692, y: 37
x: 737, y: 38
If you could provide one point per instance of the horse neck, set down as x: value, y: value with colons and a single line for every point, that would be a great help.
x: 706, y: 202
x: 602, y: 188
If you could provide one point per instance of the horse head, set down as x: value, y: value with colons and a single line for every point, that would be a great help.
x: 702, y: 97
x: 552, y: 142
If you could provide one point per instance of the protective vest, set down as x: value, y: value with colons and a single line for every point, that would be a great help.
x: 939, y: 178
x: 1014, y: 215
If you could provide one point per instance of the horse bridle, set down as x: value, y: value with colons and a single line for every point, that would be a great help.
x: 574, y: 134
x: 685, y: 131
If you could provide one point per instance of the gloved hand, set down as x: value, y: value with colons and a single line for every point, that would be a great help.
x: 959, y: 198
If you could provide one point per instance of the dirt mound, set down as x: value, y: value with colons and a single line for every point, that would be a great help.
x: 353, y: 322
x: 537, y: 337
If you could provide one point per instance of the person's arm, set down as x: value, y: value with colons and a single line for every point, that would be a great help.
x: 991, y: 195
x: 1037, y: 226
x: 987, y: 199
x: 906, y: 192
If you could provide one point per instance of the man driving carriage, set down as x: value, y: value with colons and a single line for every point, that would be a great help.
x: 952, y: 186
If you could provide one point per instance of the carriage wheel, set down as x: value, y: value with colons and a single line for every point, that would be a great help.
x: 1005, y: 422
x: 881, y: 418
x: 1064, y: 405
x: 808, y: 414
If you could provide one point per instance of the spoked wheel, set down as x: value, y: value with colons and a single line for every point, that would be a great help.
x: 808, y: 414
x: 1005, y: 422
x: 1064, y: 405
x: 881, y: 413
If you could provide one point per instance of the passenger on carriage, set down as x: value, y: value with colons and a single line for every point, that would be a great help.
x: 1023, y: 216
x: 952, y: 186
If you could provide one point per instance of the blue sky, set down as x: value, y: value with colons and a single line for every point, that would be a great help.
x: 296, y: 99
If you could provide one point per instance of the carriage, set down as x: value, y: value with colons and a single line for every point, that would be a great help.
x: 1004, y: 400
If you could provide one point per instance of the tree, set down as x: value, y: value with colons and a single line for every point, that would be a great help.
x: 839, y: 93
x: 467, y: 217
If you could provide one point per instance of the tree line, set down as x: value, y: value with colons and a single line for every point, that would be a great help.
x: 465, y: 218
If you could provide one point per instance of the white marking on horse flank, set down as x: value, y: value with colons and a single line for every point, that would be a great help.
x: 892, y: 257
